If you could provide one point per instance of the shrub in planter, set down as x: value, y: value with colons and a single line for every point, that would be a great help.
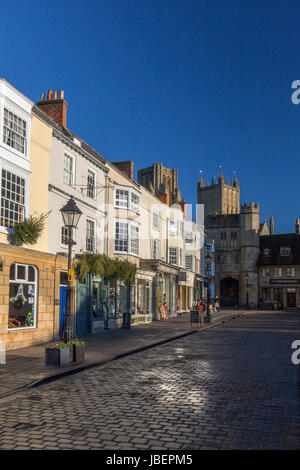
x: 78, y: 350
x: 57, y: 354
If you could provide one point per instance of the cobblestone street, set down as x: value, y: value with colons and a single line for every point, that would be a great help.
x: 229, y: 387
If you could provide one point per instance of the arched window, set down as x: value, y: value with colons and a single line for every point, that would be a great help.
x: 23, y: 294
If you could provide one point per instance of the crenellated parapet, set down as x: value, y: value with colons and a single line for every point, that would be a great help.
x: 251, y: 207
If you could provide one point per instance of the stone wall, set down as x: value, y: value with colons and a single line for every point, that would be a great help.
x: 48, y: 291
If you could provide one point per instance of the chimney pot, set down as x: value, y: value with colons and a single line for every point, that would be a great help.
x: 61, y: 94
x: 42, y: 96
x: 49, y: 96
x: 55, y: 95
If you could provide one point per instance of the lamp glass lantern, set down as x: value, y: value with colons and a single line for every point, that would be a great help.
x: 71, y: 214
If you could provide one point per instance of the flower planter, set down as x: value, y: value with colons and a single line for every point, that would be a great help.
x: 57, y: 356
x: 78, y: 352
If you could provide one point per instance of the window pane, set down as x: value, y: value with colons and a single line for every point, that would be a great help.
x: 12, y: 199
x: 14, y: 131
x: 22, y: 298
x: 121, y: 236
x: 122, y: 198
x: 20, y: 272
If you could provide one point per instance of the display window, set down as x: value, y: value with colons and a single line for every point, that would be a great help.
x: 23, y: 285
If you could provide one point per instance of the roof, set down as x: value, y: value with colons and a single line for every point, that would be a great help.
x: 273, y: 243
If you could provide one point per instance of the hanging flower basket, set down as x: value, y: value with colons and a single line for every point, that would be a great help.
x: 57, y: 355
x: 78, y: 350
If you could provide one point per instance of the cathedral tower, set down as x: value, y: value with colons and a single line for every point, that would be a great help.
x: 219, y: 198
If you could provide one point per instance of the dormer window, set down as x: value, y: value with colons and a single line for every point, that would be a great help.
x: 267, y: 252
x: 285, y: 251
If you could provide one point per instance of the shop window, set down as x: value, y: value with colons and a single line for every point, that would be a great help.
x: 266, y: 294
x: 23, y: 285
x: 278, y: 294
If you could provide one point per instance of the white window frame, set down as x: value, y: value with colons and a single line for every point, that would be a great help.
x: 130, y: 224
x: 172, y: 255
x: 95, y: 183
x: 24, y: 176
x: 15, y: 115
x: 175, y: 223
x: 93, y: 221
x: 135, y: 207
x: 72, y: 157
x: 156, y: 226
x: 155, y: 248
x: 36, y: 285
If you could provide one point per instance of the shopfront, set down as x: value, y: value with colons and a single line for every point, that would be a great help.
x: 164, y: 293
x: 186, y: 281
x: 281, y: 293
x: 100, y: 304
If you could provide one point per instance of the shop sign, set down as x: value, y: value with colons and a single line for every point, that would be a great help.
x: 71, y: 275
x: 284, y: 281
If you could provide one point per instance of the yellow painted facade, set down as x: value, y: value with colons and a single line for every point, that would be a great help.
x: 40, y: 146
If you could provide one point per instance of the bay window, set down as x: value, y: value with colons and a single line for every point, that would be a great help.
x: 126, y: 198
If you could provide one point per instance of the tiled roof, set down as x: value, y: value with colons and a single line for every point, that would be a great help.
x: 273, y: 243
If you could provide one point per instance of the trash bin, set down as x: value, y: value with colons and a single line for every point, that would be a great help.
x: 126, y: 320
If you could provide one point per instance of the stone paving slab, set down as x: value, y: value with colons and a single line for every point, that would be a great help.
x: 26, y: 366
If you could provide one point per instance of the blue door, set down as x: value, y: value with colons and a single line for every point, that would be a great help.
x: 62, y: 309
x: 82, y: 309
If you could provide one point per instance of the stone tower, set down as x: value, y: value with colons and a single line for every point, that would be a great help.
x: 219, y: 198
x: 161, y: 180
x: 249, y: 251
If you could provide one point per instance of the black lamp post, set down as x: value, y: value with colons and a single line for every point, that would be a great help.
x: 247, y: 284
x: 71, y: 215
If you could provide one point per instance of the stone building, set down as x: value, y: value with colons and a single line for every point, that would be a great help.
x: 160, y: 180
x: 236, y: 232
x: 279, y: 270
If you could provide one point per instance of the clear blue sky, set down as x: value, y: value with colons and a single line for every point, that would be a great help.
x: 190, y: 83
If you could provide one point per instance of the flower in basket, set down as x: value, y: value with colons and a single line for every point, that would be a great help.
x: 57, y: 346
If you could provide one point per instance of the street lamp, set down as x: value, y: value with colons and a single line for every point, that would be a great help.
x: 247, y: 284
x: 71, y: 215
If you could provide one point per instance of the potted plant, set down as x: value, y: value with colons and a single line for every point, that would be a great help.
x: 57, y: 354
x: 78, y: 350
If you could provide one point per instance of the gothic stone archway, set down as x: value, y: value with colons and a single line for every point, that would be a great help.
x: 229, y: 292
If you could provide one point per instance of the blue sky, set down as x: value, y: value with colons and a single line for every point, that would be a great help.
x: 190, y: 83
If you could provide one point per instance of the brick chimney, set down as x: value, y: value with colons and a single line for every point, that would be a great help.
x: 164, y: 198
x: 55, y: 106
x: 126, y: 167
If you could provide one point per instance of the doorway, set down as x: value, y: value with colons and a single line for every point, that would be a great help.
x: 291, y: 298
x: 229, y: 292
